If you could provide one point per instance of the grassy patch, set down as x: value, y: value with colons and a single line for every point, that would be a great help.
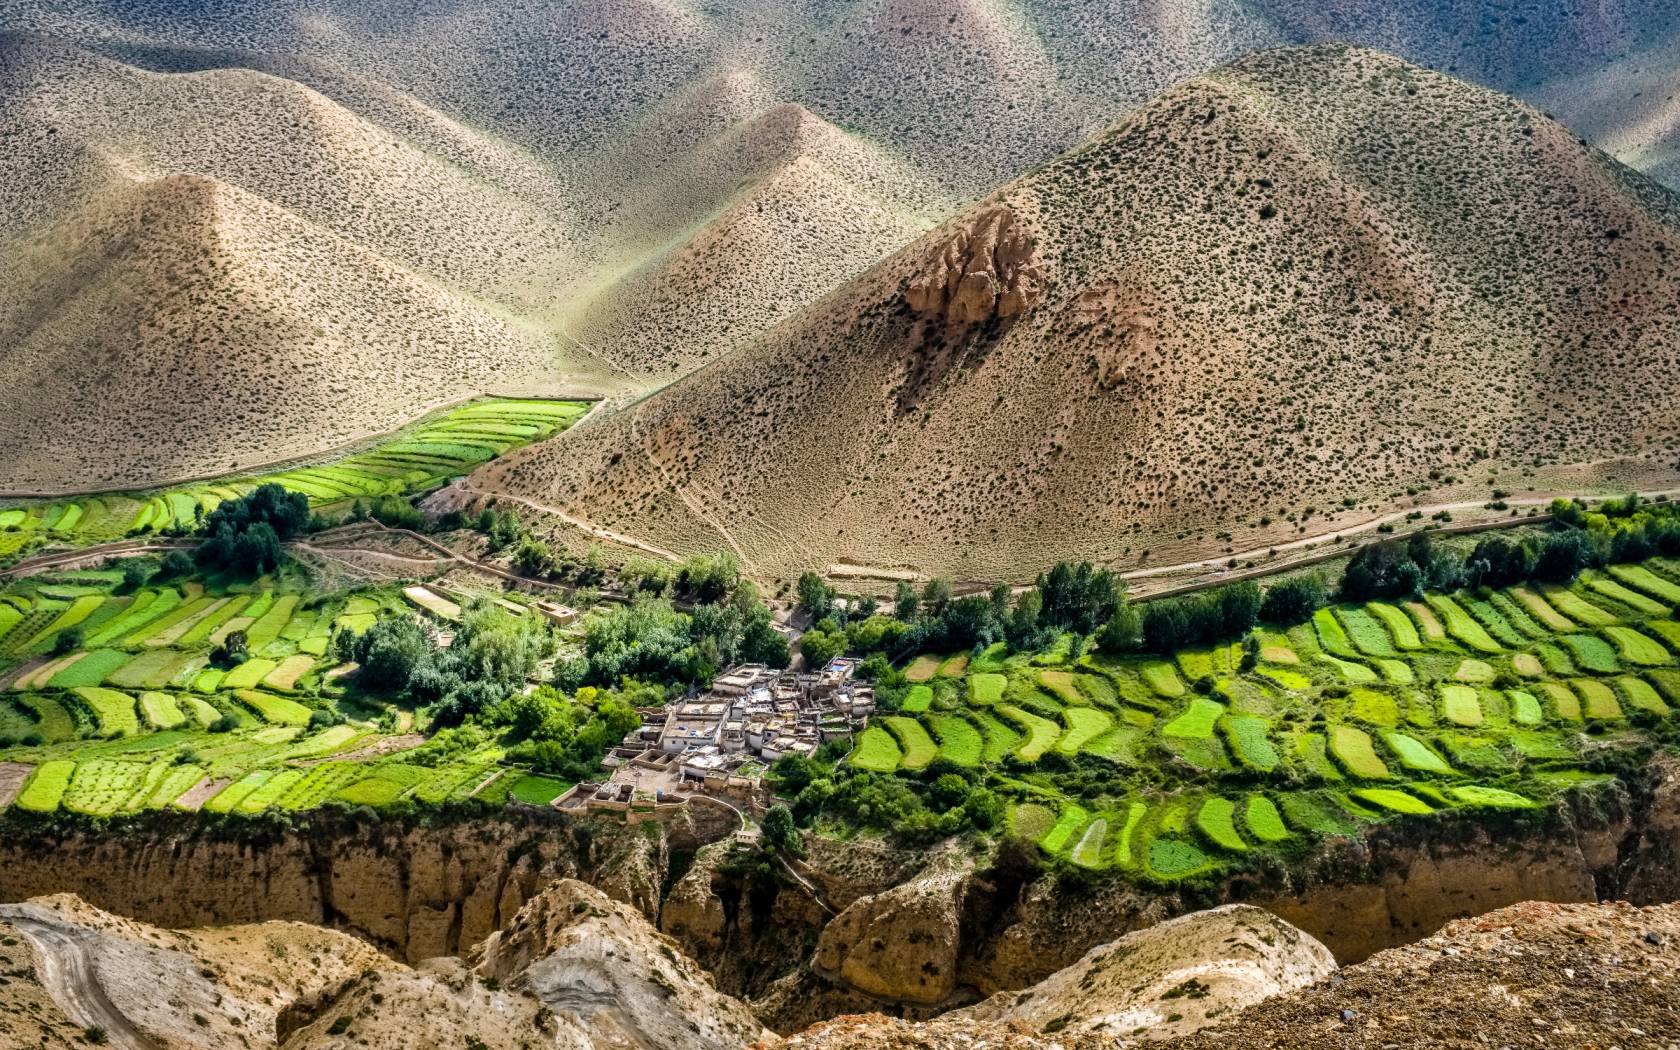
x: 1041, y: 733
x: 1461, y: 627
x: 536, y: 790
x: 959, y: 740
x: 1394, y: 801
x: 1461, y: 706
x: 1163, y: 678
x: 1415, y: 755
x: 92, y: 669
x: 1250, y: 742
x: 114, y: 711
x: 1591, y: 653
x: 46, y: 786
x: 1645, y: 580
x: 876, y: 750
x: 1638, y: 649
x: 1352, y: 748
x: 987, y: 689
x: 1197, y: 720
x: 1264, y: 821
x: 918, y: 749
x: 1597, y: 699
x: 1084, y: 724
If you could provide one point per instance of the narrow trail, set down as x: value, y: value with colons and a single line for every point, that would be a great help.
x: 59, y: 559
x: 1370, y: 525
x: 587, y: 526
x: 69, y: 973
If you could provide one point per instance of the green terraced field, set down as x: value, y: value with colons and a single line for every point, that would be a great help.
x: 877, y: 750
x: 918, y: 749
x: 959, y: 740
x: 1366, y: 713
x: 113, y: 729
x: 1643, y: 579
x: 1040, y: 733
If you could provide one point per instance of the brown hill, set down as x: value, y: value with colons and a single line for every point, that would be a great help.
x: 975, y: 93
x: 178, y: 326
x: 804, y: 207
x: 419, y: 259
x: 1629, y: 107
x: 1318, y: 274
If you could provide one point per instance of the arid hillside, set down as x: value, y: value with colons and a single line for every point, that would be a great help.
x: 1317, y: 276
x: 204, y: 271
x: 239, y: 268
x: 975, y: 93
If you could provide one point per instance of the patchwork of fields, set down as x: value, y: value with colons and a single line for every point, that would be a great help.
x: 435, y: 451
x: 136, y: 717
x: 1175, y: 768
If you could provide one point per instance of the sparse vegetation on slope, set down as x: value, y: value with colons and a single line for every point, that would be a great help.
x: 1310, y: 278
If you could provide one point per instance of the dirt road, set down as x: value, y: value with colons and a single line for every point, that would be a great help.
x: 67, y: 969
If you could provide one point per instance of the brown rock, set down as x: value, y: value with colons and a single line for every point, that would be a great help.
x: 899, y: 945
x: 987, y: 269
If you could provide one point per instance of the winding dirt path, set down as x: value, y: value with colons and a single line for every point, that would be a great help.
x: 68, y: 971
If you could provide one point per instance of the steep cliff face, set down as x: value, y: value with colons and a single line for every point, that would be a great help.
x: 901, y: 944
x: 855, y: 928
x: 416, y: 892
x: 1358, y: 896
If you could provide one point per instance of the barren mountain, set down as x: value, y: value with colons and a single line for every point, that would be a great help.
x: 347, y: 260
x: 179, y: 326
x: 1316, y: 275
x: 975, y: 93
x: 772, y: 213
x: 1629, y: 107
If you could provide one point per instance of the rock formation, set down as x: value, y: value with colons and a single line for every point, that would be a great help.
x: 1168, y: 979
x: 988, y: 268
x: 900, y: 945
x: 1532, y: 974
x: 579, y: 952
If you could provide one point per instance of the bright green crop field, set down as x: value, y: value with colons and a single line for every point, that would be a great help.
x: 436, y: 450
x: 1177, y: 768
x: 136, y: 718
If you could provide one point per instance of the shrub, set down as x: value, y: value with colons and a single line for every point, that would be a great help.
x: 1294, y: 600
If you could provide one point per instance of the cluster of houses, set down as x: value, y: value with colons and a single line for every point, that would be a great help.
x: 753, y: 716
x: 723, y: 740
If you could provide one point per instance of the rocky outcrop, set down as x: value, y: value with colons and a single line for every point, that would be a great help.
x: 1168, y: 979
x: 582, y: 954
x: 1534, y: 974
x: 900, y: 945
x: 987, y: 269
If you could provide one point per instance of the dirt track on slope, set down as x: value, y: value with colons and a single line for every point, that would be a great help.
x: 70, y: 974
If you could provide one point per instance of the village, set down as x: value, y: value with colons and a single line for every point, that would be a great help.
x: 720, y: 742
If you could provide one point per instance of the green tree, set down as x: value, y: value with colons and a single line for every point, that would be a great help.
x: 936, y: 595
x: 820, y: 646
x: 905, y: 602
x: 781, y: 832
x: 815, y: 596
x: 1123, y: 633
x: 67, y: 641
x: 1292, y: 601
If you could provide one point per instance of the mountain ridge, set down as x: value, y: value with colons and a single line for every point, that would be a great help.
x: 1208, y: 290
